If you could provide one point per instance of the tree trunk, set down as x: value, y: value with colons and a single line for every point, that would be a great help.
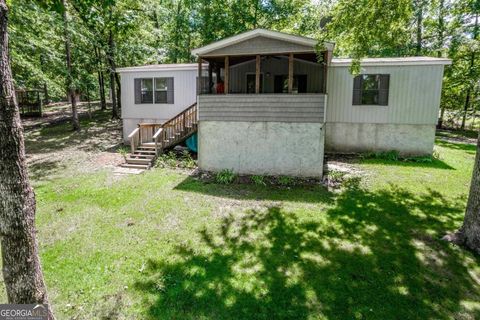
x: 45, y: 92
x: 68, y: 58
x: 418, y: 47
x: 111, y: 62
x: 442, y: 115
x: 441, y: 27
x: 469, y: 234
x: 101, y: 81
x: 465, y: 109
x: 22, y: 271
x: 119, y: 91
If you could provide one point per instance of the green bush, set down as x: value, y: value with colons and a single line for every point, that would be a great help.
x: 187, y: 161
x: 258, y: 180
x: 173, y: 160
x: 226, y: 176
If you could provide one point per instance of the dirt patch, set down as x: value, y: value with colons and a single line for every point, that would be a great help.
x: 54, y: 149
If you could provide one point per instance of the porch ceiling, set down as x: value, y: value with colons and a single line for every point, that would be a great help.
x: 234, y: 60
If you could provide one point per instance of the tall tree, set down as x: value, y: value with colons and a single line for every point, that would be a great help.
x: 22, y: 271
x: 469, y: 234
x: 68, y: 60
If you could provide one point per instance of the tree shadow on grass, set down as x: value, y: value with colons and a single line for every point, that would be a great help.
x: 468, y: 148
x: 376, y: 255
x: 314, y: 193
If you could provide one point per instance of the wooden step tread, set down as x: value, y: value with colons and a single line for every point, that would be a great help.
x: 141, y: 155
x: 139, y: 161
x: 135, y: 166
x: 145, y: 152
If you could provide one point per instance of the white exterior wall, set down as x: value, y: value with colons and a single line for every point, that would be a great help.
x: 184, y: 95
x: 413, y: 104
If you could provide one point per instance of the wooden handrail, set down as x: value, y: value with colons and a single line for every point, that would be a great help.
x: 134, y: 132
x: 179, y: 114
x: 157, y: 133
x: 134, y: 138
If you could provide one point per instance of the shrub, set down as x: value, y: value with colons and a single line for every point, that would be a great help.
x: 226, y: 176
x: 259, y: 180
x: 173, y: 160
x: 187, y: 161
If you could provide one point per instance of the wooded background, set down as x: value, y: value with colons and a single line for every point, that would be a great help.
x: 75, y: 46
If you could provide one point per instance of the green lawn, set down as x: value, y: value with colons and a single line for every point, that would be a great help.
x: 163, y: 245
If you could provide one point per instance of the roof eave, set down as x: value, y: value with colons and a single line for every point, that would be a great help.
x: 255, y: 33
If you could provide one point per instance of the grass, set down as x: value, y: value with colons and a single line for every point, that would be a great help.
x: 164, y: 245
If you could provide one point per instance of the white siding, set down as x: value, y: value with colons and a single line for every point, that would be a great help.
x: 292, y: 108
x: 184, y: 95
x: 414, y: 96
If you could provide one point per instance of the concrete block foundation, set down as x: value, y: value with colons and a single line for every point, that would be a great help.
x: 266, y: 148
x: 407, y: 139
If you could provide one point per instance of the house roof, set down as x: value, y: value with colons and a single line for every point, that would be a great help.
x: 403, y: 61
x: 161, y: 67
x: 300, y: 40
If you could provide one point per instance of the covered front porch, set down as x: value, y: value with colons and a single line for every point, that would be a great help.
x: 261, y: 104
x: 276, y: 73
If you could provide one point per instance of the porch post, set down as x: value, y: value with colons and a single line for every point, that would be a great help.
x: 227, y: 74
x: 199, y: 80
x: 210, y: 77
x: 257, y: 74
x: 325, y: 71
x: 290, y: 73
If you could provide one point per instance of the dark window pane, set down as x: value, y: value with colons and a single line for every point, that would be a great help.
x: 370, y: 97
x: 147, y: 85
x: 161, y: 84
x: 147, y: 96
x: 160, y: 96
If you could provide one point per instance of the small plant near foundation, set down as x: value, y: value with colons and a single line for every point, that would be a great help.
x: 187, y: 161
x: 285, y: 181
x: 173, y: 159
x: 168, y: 159
x: 391, y: 155
x: 123, y: 151
x: 226, y: 176
x: 258, y: 180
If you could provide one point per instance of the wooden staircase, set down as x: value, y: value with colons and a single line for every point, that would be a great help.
x: 149, y: 140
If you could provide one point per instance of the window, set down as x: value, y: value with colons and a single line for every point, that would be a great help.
x: 161, y: 88
x: 154, y: 90
x: 146, y: 91
x: 371, y: 89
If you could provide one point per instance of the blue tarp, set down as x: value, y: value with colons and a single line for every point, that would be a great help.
x: 192, y: 143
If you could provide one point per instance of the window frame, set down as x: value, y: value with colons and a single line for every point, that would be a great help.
x: 169, y: 91
x: 155, y: 90
x: 381, y: 93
